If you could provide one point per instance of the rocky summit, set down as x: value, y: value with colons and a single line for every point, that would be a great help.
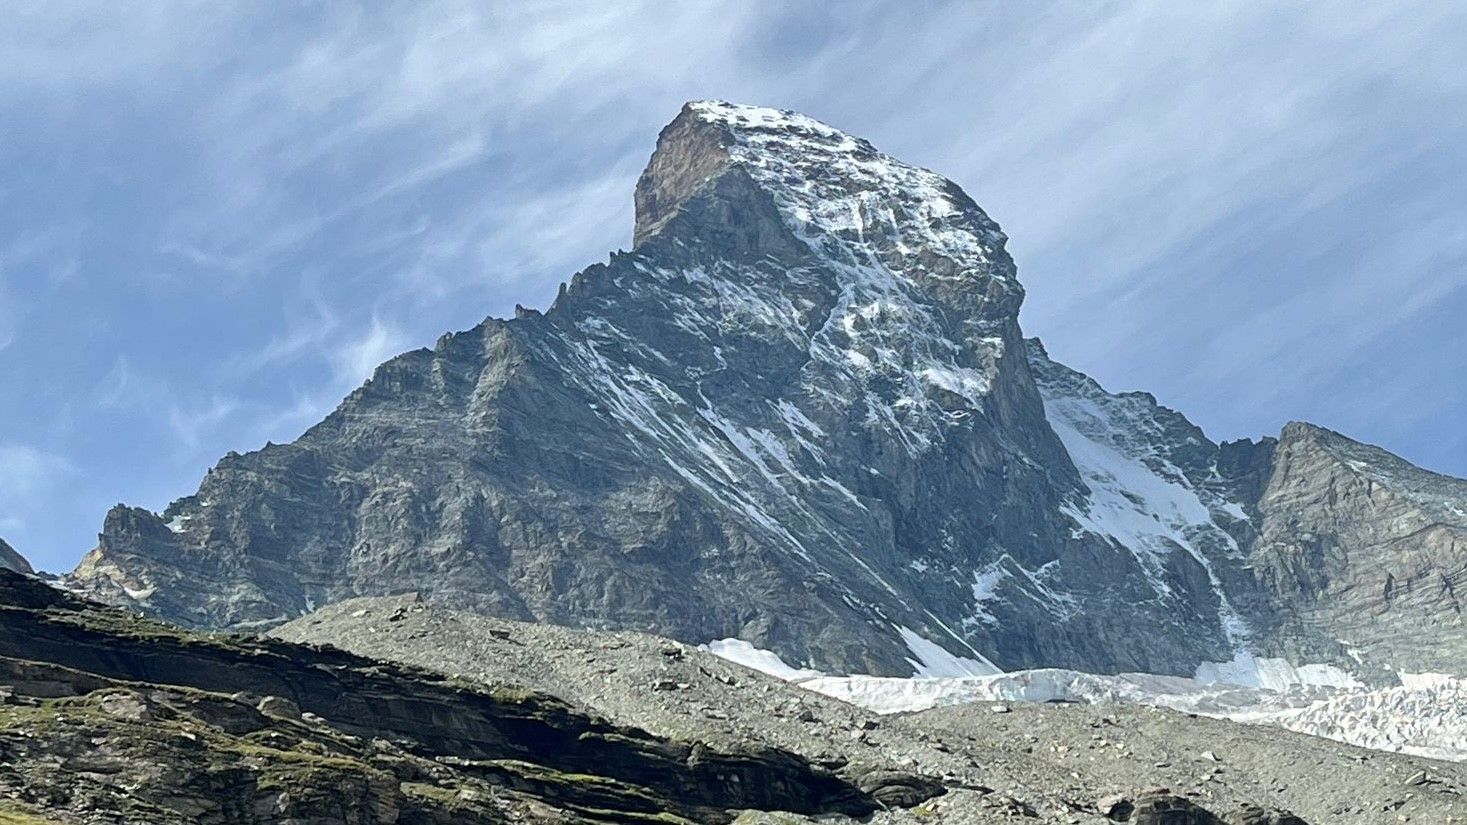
x: 800, y: 412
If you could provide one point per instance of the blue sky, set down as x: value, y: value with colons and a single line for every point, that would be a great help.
x: 215, y: 219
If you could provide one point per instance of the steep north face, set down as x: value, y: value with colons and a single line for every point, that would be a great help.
x: 799, y: 412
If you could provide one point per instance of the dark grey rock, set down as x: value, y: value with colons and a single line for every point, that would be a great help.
x: 1255, y: 815
x: 899, y: 789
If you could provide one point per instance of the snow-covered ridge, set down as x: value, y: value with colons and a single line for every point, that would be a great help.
x: 849, y: 200
x: 1150, y: 513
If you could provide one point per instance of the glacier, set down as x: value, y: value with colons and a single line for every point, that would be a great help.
x: 1413, y: 717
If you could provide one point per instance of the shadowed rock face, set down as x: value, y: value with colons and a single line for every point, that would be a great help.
x: 800, y: 412
x: 11, y: 560
x: 221, y: 729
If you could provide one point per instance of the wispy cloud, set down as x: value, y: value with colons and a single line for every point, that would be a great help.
x: 1250, y: 209
x: 357, y: 358
x: 28, y: 470
x: 27, y: 476
x: 192, y: 423
x: 31, y: 264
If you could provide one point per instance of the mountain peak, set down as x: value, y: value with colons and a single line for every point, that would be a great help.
x: 1303, y: 429
x: 744, y: 118
x: 835, y: 193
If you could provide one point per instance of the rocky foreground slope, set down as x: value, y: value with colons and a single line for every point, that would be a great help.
x: 801, y: 412
x: 109, y: 718
x: 1062, y: 763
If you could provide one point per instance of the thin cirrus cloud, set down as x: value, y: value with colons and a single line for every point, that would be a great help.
x: 1247, y: 209
x: 29, y: 477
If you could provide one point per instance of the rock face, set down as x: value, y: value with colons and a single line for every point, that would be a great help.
x: 799, y: 412
x: 11, y: 560
x: 108, y: 717
x: 1362, y: 544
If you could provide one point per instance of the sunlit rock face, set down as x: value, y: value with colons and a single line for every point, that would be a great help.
x: 1362, y: 543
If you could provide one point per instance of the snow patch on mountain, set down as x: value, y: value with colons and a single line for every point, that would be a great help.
x: 743, y: 653
x: 986, y: 583
x: 1149, y: 514
x: 932, y: 660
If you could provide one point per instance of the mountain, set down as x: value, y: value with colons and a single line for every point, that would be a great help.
x: 11, y: 560
x: 1330, y: 550
x: 801, y: 412
x: 1366, y: 547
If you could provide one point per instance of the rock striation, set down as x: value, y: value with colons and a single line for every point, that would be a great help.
x: 801, y: 412
x: 1361, y: 545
